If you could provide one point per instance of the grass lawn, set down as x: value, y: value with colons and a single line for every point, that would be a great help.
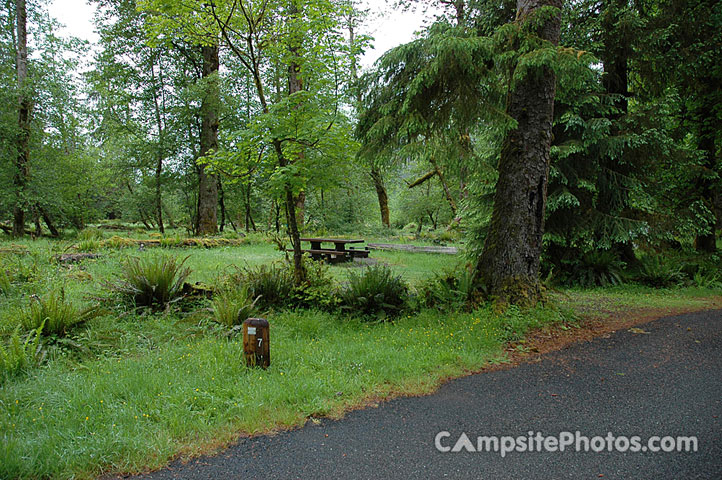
x: 131, y: 390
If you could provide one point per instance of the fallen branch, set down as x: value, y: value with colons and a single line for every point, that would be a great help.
x: 120, y: 242
x: 75, y: 257
x: 421, y: 180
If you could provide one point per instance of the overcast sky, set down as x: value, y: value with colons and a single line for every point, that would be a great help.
x: 389, y: 27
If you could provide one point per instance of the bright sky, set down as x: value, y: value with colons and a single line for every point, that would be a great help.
x: 389, y: 27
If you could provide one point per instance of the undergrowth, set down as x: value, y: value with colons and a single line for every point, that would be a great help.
x: 151, y: 281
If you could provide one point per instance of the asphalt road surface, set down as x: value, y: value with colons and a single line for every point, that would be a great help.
x: 664, y: 382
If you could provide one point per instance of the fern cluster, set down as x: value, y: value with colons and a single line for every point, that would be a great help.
x: 374, y: 291
x: 53, y: 315
x: 152, y: 281
x: 21, y: 354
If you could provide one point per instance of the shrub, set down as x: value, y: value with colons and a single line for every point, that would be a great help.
x: 232, y: 235
x: 19, y: 269
x: 232, y: 306
x: 450, y: 235
x: 271, y: 284
x: 318, y: 291
x: 448, y: 291
x: 655, y: 272
x: 373, y: 291
x: 52, y: 315
x: 20, y: 354
x: 152, y: 281
x: 595, y: 268
x: 410, y: 227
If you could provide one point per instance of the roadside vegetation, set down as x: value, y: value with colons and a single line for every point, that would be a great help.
x: 116, y: 364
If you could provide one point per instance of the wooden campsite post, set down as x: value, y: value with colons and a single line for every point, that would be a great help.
x: 256, y: 348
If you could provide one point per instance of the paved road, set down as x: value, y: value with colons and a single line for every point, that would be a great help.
x: 667, y: 382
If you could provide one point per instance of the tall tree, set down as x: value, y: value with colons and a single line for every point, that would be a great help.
x: 602, y: 152
x: 41, y: 119
x: 509, y: 264
x: 685, y: 59
x: 207, y: 223
x: 22, y: 162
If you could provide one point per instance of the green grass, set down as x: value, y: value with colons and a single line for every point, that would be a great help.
x: 132, y: 389
x: 621, y: 298
x: 128, y: 413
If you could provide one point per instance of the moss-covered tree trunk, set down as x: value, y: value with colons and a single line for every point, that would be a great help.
x: 22, y: 159
x: 208, y: 183
x: 509, y: 264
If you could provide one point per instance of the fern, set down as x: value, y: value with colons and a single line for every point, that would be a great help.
x: 21, y: 354
x: 52, y: 315
x: 152, y: 281
x: 655, y: 272
x: 232, y: 306
x: 374, y: 291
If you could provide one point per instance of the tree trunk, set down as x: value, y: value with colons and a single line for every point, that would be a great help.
x: 36, y: 221
x: 382, y: 195
x: 509, y: 264
x: 222, y: 205
x: 247, y: 208
x: 158, y: 193
x: 208, y: 183
x: 295, y: 85
x: 49, y: 221
x: 277, y: 210
x: 299, y: 273
x: 301, y: 209
x: 22, y: 160
x: 161, y: 145
x: 144, y: 219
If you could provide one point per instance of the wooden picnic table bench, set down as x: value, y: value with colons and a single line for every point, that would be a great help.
x: 337, y: 254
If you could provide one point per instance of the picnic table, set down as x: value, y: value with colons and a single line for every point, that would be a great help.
x: 339, y: 252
